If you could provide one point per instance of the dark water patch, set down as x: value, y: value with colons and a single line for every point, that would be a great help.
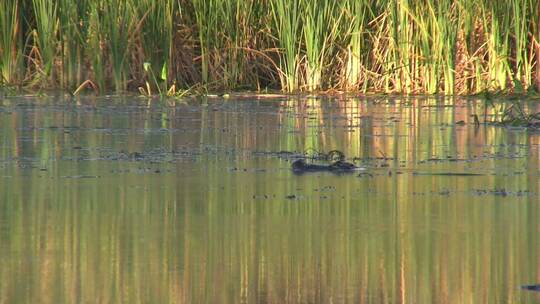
x: 448, y: 173
x: 502, y: 192
x: 80, y: 176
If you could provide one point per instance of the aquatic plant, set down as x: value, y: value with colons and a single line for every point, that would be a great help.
x: 517, y: 115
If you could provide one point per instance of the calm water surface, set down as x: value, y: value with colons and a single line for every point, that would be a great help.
x: 123, y: 200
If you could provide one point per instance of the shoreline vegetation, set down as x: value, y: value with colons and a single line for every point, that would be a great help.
x: 452, y: 47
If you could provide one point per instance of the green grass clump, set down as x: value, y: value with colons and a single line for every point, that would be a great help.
x: 406, y: 46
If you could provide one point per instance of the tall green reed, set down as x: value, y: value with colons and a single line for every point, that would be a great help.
x: 435, y: 41
x: 319, y: 25
x: 400, y: 47
x: 357, y: 16
x: 232, y: 13
x: 96, y: 47
x: 157, y: 31
x: 521, y: 12
x: 73, y: 33
x: 10, y: 41
x: 207, y: 28
x: 447, y: 13
x: 286, y: 17
x: 45, y: 36
x: 117, y: 17
x: 495, y: 22
x: 535, y: 33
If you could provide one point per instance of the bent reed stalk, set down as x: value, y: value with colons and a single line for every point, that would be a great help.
x: 403, y: 46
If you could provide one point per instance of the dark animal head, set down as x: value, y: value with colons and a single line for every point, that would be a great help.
x: 299, y: 165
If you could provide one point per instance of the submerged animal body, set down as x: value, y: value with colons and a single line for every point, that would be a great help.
x: 301, y: 166
x: 535, y: 287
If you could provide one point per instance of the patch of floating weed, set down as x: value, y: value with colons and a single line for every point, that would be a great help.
x: 513, y: 111
x: 516, y: 116
x: 8, y: 90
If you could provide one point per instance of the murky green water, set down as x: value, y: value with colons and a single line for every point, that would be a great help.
x: 113, y: 200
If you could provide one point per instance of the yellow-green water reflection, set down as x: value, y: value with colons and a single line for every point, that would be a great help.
x: 113, y: 201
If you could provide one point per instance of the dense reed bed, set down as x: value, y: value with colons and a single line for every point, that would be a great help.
x: 166, y: 46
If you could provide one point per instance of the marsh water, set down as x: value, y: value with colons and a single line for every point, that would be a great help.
x: 128, y: 200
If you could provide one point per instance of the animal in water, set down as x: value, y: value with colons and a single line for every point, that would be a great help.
x: 535, y: 287
x: 300, y: 166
